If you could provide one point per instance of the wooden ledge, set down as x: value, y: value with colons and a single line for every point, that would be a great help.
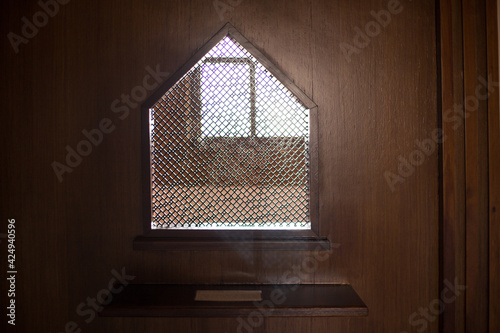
x: 162, y: 300
x: 162, y: 243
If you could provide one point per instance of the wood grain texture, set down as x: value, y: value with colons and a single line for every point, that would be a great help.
x: 476, y: 166
x: 16, y: 181
x: 370, y: 111
x: 471, y: 254
x: 494, y: 165
x: 453, y: 173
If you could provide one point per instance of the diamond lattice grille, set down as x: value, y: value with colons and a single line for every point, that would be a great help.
x: 229, y: 148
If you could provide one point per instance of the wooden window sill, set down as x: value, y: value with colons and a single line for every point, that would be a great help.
x: 161, y: 300
x: 163, y: 243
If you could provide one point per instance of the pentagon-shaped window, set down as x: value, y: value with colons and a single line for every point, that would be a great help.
x: 230, y: 144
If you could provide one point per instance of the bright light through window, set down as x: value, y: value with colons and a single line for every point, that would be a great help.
x: 230, y: 148
x: 225, y: 87
x: 229, y: 80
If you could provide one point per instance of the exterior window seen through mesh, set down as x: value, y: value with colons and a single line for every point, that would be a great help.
x: 229, y: 148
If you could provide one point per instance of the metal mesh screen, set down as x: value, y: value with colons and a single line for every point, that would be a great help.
x: 229, y: 148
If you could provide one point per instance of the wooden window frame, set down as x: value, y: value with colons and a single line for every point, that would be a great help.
x: 251, y: 65
x: 226, y: 239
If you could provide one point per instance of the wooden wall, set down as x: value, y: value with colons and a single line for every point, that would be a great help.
x: 469, y: 234
x: 372, y: 109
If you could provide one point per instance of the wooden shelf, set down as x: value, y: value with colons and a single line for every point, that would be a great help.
x: 200, y: 244
x: 161, y: 300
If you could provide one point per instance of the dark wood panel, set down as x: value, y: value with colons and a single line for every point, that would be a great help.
x: 16, y: 183
x: 370, y: 111
x: 453, y: 175
x: 494, y: 165
x: 290, y: 325
x: 476, y: 166
x: 330, y: 325
x: 365, y: 126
